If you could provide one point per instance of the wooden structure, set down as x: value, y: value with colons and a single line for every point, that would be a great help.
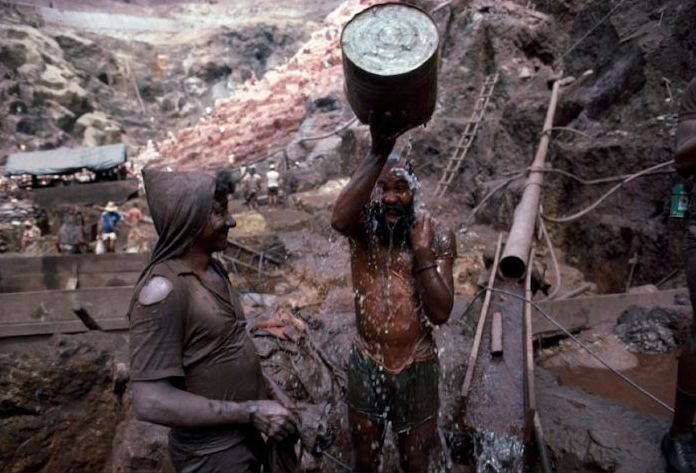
x: 468, y: 135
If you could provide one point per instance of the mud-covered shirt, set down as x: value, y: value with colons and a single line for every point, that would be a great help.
x: 687, y: 110
x: 197, y: 338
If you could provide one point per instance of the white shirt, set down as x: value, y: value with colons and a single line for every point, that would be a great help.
x: 272, y: 178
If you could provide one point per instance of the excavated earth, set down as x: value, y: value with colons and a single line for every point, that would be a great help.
x: 228, y: 83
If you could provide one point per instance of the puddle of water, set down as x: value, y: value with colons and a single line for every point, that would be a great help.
x: 657, y: 373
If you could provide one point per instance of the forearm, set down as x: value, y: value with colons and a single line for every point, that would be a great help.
x: 161, y: 403
x: 685, y: 157
x: 436, y: 295
x: 356, y: 194
x: 276, y: 393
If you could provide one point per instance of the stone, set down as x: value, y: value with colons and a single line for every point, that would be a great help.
x: 97, y: 129
x: 648, y: 330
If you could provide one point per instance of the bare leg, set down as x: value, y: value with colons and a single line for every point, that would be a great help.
x: 415, y: 446
x: 685, y: 404
x: 679, y: 445
x: 368, y: 438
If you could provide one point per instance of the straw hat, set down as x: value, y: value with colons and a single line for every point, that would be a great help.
x: 111, y: 207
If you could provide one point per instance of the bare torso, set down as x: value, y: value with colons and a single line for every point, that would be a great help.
x: 387, y: 307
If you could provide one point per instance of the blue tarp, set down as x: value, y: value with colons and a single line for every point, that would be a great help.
x: 65, y: 160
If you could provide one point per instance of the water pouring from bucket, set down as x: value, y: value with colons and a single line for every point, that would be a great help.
x: 390, y: 64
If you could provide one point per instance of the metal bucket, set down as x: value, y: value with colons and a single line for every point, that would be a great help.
x: 390, y: 63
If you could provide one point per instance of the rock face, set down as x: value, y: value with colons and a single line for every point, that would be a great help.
x: 60, y: 403
x: 264, y: 114
x: 589, y: 434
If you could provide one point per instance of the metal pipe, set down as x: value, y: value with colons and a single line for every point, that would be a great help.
x: 513, y: 262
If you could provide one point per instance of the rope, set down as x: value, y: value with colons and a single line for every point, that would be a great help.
x: 591, y: 30
x: 478, y: 207
x: 601, y: 180
x: 585, y: 211
x: 575, y: 339
x: 326, y: 135
x: 554, y: 260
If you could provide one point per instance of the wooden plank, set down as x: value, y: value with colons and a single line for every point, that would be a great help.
x: 583, y: 312
x: 86, y: 193
x: 88, y: 263
x: 494, y: 409
x: 21, y: 312
x: 497, y: 334
x: 473, y: 356
x: 48, y: 328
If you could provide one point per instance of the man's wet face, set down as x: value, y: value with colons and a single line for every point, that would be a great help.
x: 219, y: 222
x: 395, y: 213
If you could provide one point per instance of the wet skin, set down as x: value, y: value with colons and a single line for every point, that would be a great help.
x: 388, y: 303
x: 391, y: 296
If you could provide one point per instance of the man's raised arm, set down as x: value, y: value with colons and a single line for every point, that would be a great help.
x: 356, y: 194
x: 685, y: 156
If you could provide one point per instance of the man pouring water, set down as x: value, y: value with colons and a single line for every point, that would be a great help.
x: 401, y: 257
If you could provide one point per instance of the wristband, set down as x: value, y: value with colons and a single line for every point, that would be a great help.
x: 425, y: 268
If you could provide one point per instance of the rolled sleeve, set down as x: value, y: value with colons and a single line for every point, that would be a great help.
x: 156, y: 340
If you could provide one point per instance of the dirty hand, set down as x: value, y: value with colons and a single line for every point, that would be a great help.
x: 421, y: 236
x: 271, y: 418
x: 384, y: 130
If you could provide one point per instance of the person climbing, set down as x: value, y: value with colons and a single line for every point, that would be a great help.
x: 251, y: 185
x: 401, y: 262
x: 194, y: 367
x: 272, y: 184
x: 679, y: 444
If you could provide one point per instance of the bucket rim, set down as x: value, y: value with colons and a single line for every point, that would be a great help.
x: 381, y: 5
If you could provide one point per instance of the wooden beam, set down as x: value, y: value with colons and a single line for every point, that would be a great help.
x: 471, y: 365
x: 497, y: 334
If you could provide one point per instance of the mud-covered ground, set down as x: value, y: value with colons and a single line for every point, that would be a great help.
x: 89, y: 73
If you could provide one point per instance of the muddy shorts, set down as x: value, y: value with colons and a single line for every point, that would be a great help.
x: 406, y: 399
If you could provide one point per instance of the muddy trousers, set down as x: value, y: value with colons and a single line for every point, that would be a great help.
x: 685, y: 405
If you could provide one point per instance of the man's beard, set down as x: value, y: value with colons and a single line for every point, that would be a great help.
x: 398, y: 233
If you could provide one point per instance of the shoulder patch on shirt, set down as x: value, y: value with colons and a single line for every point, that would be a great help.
x: 156, y: 290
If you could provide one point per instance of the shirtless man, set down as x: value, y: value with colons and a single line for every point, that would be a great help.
x: 679, y: 445
x: 401, y: 262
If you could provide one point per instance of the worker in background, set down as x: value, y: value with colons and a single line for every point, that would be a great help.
x: 401, y: 265
x: 71, y: 234
x: 30, y: 235
x: 108, y: 222
x: 251, y: 186
x: 272, y: 184
x: 679, y: 444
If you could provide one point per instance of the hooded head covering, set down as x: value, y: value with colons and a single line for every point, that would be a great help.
x: 180, y: 203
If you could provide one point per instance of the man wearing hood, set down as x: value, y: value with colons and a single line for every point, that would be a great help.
x: 401, y: 263
x: 194, y: 368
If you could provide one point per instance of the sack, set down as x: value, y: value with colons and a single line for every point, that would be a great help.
x: 100, y: 249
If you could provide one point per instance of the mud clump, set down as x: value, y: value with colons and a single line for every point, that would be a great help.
x: 647, y: 330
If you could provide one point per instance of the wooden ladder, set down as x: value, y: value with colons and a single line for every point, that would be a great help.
x: 468, y: 135
x: 238, y: 256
